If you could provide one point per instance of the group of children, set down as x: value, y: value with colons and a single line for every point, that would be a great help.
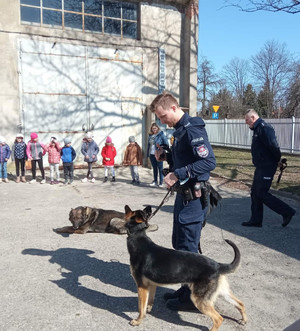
x: 34, y: 151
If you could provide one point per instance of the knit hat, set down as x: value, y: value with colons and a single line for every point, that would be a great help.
x: 2, y: 140
x: 108, y: 140
x: 33, y: 135
x: 19, y: 135
x: 67, y: 140
x: 89, y: 135
x: 131, y: 139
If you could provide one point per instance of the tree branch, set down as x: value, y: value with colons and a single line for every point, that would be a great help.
x: 288, y: 6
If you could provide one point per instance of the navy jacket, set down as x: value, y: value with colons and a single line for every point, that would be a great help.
x: 4, y: 153
x: 192, y: 153
x: 264, y: 148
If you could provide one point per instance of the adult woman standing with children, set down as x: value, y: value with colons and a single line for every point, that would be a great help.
x: 156, y: 137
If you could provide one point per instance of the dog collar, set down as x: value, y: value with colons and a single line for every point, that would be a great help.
x: 137, y: 228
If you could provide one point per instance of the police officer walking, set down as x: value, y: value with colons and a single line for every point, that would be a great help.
x: 265, y: 157
x: 193, y: 159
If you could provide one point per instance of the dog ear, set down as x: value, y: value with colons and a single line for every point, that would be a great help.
x: 148, y: 211
x: 86, y: 212
x: 128, y: 212
x: 127, y: 209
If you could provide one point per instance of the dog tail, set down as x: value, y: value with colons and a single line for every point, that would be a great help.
x: 226, y: 268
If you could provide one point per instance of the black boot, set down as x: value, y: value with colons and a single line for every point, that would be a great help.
x: 113, y: 179
x: 105, y: 180
x: 174, y: 295
x: 251, y: 223
x: 183, y: 302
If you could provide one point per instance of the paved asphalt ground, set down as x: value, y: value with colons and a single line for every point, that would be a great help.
x: 82, y: 282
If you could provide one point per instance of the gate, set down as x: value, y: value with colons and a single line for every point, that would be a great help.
x: 69, y: 89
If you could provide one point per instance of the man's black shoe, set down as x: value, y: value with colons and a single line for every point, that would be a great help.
x: 250, y: 223
x: 175, y: 294
x: 286, y: 219
x: 178, y: 305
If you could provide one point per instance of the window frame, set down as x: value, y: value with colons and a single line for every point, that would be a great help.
x: 83, y: 29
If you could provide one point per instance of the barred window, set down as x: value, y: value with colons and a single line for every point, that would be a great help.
x: 106, y: 17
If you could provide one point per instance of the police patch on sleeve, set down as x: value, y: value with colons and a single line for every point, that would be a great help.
x: 202, y: 151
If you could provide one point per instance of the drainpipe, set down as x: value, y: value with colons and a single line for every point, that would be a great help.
x: 185, y: 47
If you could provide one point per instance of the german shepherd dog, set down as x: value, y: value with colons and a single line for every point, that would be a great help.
x: 88, y: 219
x: 152, y: 265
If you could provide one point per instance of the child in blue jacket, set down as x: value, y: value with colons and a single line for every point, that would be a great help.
x: 4, y: 156
x: 68, y: 155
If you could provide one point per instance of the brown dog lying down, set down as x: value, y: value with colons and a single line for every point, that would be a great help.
x: 88, y: 219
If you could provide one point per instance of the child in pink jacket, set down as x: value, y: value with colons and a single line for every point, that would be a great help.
x: 53, y: 150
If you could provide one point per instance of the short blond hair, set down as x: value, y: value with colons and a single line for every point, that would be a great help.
x: 251, y: 111
x: 164, y: 100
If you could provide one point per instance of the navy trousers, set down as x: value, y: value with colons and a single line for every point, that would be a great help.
x: 260, y: 195
x: 187, y: 224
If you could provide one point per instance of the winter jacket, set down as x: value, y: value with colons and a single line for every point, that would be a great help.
x: 109, y: 151
x: 90, y: 149
x: 264, y: 148
x: 35, y: 150
x: 4, y: 153
x: 53, y: 152
x: 68, y: 154
x: 160, y: 138
x: 19, y: 151
x: 133, y: 155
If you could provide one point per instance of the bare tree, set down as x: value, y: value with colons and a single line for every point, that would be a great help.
x: 271, y: 68
x: 288, y: 6
x: 235, y: 75
x: 207, y: 81
x: 293, y: 93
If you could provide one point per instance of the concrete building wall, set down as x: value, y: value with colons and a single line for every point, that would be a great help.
x: 161, y: 27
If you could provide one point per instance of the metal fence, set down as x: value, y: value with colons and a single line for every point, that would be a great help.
x: 235, y: 133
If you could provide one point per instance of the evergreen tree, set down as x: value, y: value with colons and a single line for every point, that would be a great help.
x: 249, y: 97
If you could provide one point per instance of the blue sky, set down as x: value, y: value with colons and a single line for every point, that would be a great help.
x: 225, y: 33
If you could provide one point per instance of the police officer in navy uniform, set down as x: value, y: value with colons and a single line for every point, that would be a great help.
x: 265, y: 157
x: 193, y: 159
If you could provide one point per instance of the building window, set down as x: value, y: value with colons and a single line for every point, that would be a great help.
x: 106, y: 17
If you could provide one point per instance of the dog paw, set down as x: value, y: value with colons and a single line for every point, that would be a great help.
x: 149, y: 308
x: 135, y: 322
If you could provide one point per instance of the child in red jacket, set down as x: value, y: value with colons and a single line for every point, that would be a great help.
x: 108, y: 153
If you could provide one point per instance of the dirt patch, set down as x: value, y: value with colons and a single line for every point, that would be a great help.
x: 231, y: 184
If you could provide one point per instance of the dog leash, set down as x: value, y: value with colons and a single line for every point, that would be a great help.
x: 165, y: 199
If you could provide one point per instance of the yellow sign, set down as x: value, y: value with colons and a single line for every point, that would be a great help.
x: 216, y: 108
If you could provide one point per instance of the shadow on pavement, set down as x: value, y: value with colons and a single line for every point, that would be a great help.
x: 233, y: 211
x: 76, y: 263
